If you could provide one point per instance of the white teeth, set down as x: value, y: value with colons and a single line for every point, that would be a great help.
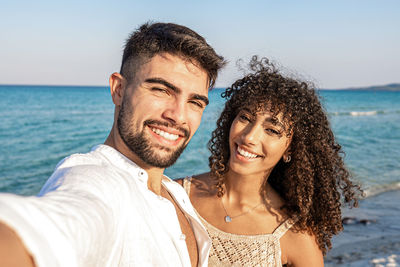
x: 246, y: 154
x: 166, y: 135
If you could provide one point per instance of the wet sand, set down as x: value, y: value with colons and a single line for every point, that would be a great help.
x: 372, y: 235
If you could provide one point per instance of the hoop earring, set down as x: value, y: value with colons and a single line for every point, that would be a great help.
x: 288, y: 159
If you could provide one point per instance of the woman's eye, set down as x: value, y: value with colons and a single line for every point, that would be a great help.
x: 273, y: 131
x: 244, y: 118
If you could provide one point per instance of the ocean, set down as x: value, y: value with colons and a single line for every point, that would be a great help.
x: 40, y: 125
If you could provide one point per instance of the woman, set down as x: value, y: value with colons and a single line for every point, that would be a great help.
x: 277, y: 179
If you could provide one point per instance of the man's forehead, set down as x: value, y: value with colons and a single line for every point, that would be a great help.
x: 174, y: 72
x: 166, y: 61
x: 168, y: 58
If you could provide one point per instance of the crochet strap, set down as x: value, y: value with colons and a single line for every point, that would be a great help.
x: 186, y: 184
x: 282, y: 229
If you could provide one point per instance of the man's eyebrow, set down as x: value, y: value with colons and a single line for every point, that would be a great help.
x: 176, y: 89
x: 163, y: 82
x: 201, y: 97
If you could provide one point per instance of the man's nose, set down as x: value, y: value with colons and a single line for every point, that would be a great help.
x: 175, y: 112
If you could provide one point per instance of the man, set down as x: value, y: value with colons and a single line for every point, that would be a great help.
x: 113, y: 206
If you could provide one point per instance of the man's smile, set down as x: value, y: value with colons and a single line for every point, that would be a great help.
x: 166, y: 135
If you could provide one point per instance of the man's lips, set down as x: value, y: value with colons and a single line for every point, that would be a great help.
x: 166, y: 135
x: 167, y: 128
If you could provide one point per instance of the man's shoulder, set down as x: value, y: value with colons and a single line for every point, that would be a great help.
x: 80, y: 169
x: 93, y: 157
x: 100, y: 159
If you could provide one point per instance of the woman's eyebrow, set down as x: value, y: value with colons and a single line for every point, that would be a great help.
x: 274, y: 122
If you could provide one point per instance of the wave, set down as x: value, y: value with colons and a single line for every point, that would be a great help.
x: 364, y: 113
x: 360, y: 113
x: 379, y: 189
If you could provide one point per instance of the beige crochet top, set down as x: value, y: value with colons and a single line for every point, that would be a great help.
x: 243, y: 250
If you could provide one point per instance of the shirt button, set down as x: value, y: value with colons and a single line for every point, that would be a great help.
x: 182, y: 237
x: 142, y: 176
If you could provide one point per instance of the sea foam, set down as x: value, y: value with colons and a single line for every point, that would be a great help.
x: 363, y: 113
x: 359, y: 113
x: 379, y: 189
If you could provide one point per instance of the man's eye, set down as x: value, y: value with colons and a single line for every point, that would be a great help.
x: 161, y: 90
x: 197, y: 103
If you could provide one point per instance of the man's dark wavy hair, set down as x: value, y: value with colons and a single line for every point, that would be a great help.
x: 315, y: 183
x: 156, y: 38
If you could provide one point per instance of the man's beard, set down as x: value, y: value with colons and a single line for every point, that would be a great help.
x: 140, y: 145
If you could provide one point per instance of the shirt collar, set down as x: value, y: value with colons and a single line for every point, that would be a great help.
x: 121, y: 161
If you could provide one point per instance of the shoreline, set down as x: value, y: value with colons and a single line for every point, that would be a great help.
x: 372, y: 236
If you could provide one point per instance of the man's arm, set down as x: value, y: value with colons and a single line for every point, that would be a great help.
x: 12, y: 251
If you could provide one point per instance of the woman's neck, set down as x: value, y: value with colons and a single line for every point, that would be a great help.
x: 243, y: 191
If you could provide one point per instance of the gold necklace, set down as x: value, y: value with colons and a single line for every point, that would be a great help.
x: 228, y: 218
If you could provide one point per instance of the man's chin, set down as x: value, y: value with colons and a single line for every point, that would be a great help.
x: 160, y: 163
x: 161, y: 159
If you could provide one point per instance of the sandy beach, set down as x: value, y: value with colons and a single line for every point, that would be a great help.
x: 372, y: 235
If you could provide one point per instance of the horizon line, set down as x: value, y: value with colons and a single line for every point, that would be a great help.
x: 216, y: 87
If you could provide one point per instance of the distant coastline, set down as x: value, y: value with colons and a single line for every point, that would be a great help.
x: 388, y: 87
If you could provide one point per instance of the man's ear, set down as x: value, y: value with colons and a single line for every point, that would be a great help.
x: 117, y: 88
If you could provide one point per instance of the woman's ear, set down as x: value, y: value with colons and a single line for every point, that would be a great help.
x: 286, y: 157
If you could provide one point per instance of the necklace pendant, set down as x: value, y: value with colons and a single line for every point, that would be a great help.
x: 228, y: 219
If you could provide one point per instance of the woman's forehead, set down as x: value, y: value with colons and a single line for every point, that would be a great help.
x: 264, y: 112
x: 263, y: 109
x: 274, y: 115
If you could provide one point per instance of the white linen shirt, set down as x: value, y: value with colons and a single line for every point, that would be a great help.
x: 96, y: 210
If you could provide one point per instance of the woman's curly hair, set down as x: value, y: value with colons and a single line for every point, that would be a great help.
x: 315, y: 182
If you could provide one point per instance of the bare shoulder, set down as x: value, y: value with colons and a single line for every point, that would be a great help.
x: 199, y: 182
x: 203, y: 178
x: 179, y: 181
x: 200, y: 177
x: 203, y: 185
x: 301, y: 249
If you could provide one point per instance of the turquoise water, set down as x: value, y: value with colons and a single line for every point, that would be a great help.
x: 40, y: 125
x: 367, y: 125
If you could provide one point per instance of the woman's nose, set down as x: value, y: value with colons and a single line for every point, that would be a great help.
x: 251, y: 134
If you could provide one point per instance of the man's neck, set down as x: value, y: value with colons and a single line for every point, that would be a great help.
x: 155, y: 175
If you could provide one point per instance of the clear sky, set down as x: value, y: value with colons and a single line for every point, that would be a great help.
x: 336, y: 44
